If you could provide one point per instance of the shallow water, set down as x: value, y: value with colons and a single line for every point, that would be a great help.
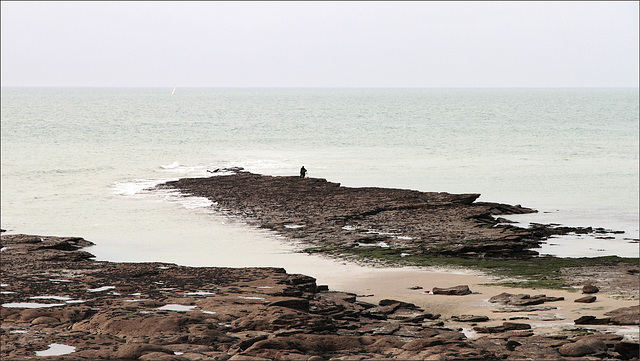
x: 56, y: 349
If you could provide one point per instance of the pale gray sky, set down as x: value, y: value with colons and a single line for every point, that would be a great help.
x: 320, y: 44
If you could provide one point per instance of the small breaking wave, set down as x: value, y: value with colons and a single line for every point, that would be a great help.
x: 148, y: 188
x: 191, y: 171
x: 194, y: 202
x: 137, y: 186
x: 171, y: 166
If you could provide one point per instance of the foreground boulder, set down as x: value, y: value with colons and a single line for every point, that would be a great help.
x: 627, y: 350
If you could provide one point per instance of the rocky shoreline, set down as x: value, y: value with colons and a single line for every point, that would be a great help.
x: 60, y: 304
x: 55, y: 295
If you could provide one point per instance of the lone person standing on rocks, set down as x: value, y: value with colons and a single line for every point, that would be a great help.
x: 303, y: 172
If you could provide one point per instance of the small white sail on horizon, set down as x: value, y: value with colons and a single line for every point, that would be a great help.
x: 174, y: 90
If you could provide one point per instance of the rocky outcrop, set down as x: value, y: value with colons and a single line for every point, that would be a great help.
x: 325, y: 214
x: 161, y: 311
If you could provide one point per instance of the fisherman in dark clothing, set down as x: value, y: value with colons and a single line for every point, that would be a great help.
x: 303, y: 172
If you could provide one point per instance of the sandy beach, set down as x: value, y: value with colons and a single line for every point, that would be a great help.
x: 376, y: 284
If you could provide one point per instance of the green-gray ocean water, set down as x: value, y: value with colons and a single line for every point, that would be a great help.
x: 75, y: 162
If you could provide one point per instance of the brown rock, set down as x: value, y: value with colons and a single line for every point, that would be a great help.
x: 249, y: 342
x: 592, y: 320
x: 239, y: 357
x: 589, y: 288
x: 506, y: 326
x: 452, y: 291
x: 511, y: 345
x: 501, y: 298
x: 161, y: 356
x: 586, y: 299
x: 295, y: 303
x: 44, y: 320
x: 627, y: 350
x: 135, y: 350
x: 382, y: 328
x: 470, y: 318
x: 411, y: 316
x: 387, y: 302
x: 380, y: 312
x: 582, y: 347
x: 522, y: 299
x: 625, y: 316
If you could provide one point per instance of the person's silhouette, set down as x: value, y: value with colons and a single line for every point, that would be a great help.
x: 303, y: 172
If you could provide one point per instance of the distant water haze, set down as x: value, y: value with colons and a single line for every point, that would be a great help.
x: 79, y: 162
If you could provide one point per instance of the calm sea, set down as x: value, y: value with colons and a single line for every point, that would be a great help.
x: 76, y: 162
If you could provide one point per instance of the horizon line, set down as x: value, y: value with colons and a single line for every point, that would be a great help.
x: 308, y: 87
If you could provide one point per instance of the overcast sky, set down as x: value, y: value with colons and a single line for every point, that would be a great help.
x: 320, y: 44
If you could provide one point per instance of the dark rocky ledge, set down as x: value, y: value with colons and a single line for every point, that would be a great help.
x: 53, y: 293
x: 325, y: 214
